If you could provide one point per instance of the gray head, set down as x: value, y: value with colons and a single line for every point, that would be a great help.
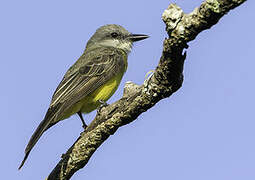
x: 113, y: 35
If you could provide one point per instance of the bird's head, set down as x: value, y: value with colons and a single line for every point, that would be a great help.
x: 116, y: 36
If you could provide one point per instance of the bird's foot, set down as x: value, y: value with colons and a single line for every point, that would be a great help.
x: 84, y: 126
x: 102, y: 105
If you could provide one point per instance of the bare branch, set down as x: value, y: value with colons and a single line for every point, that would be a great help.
x: 166, y: 79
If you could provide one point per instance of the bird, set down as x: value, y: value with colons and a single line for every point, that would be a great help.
x: 91, y: 80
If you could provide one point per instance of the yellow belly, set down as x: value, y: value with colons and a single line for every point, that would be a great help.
x: 103, y: 93
x: 91, y: 102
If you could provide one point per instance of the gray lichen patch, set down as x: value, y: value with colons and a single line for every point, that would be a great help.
x: 213, y: 5
x: 172, y: 16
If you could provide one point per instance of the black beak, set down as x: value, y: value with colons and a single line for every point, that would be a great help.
x: 137, y: 37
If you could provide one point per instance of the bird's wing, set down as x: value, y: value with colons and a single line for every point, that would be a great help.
x: 91, y: 71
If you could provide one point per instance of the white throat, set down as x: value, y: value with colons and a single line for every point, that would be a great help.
x: 124, y: 45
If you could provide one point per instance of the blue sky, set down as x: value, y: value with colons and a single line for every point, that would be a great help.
x: 204, y: 131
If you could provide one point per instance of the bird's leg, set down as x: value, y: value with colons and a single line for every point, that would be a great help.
x: 102, y: 104
x: 84, y: 125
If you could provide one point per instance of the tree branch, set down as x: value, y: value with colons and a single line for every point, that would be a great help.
x: 166, y: 79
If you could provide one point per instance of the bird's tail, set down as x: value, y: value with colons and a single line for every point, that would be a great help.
x: 43, y: 126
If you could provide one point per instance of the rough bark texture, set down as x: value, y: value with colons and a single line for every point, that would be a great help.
x: 166, y: 79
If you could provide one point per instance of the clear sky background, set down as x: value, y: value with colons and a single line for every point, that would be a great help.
x: 206, y: 130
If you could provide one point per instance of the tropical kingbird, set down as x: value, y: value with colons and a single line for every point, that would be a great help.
x: 91, y: 80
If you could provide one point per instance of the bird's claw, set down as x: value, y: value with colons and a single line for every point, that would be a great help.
x: 84, y: 126
x: 102, y: 105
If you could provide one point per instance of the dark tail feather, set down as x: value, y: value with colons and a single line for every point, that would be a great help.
x: 25, y: 158
x: 43, y: 126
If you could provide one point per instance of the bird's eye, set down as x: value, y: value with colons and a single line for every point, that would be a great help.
x: 114, y: 34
